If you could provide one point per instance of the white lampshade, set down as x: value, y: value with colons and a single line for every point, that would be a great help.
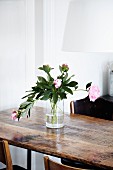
x: 89, y: 26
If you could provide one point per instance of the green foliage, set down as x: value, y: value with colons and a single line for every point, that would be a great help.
x: 46, y: 89
x: 88, y: 85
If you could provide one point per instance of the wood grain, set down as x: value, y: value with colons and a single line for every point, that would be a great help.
x: 83, y: 138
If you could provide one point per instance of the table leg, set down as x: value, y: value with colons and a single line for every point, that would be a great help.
x: 28, y: 159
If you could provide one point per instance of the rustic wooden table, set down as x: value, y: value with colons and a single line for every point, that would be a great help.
x: 83, y: 138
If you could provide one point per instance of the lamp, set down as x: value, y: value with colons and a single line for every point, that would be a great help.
x: 89, y: 26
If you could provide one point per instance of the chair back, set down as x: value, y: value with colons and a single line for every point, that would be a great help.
x: 52, y: 165
x: 5, y: 156
x: 101, y: 108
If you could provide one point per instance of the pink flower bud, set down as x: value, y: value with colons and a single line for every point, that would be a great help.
x: 65, y: 67
x: 57, y: 83
x: 14, y: 116
x: 94, y: 93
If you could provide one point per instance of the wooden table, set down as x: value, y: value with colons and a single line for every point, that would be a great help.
x: 85, y: 139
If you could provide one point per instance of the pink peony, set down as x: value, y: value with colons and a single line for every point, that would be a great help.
x: 94, y: 93
x: 57, y: 83
x: 14, y: 116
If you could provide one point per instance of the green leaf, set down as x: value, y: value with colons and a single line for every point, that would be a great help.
x: 39, y: 95
x: 88, y: 85
x: 30, y: 94
x: 63, y: 96
x: 68, y: 90
x: 42, y: 79
x: 36, y: 88
x: 30, y: 99
x: 60, y: 68
x: 42, y: 87
x: 46, y: 95
x: 72, y: 84
x: 29, y: 112
x: 67, y: 81
x: 50, y: 79
x: 45, y: 68
x: 76, y: 87
x: 40, y: 68
x: 24, y: 105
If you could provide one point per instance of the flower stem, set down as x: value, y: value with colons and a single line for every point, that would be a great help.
x: 53, y: 111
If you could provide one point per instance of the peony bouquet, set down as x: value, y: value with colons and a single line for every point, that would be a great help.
x: 52, y: 89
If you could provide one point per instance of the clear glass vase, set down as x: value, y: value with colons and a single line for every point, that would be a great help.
x: 55, y: 115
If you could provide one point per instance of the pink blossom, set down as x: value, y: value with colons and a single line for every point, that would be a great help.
x: 14, y: 116
x: 94, y: 93
x: 57, y: 83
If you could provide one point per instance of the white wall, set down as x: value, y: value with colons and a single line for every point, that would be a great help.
x: 17, y: 62
x: 12, y: 52
x: 39, y: 34
x: 87, y: 66
x: 17, y: 44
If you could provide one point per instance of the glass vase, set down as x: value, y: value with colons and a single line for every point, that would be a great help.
x: 55, y: 115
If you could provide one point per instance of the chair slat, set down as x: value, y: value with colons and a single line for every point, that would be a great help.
x: 52, y: 165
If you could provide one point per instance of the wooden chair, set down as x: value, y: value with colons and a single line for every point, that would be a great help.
x: 101, y: 108
x: 5, y: 157
x: 51, y: 165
